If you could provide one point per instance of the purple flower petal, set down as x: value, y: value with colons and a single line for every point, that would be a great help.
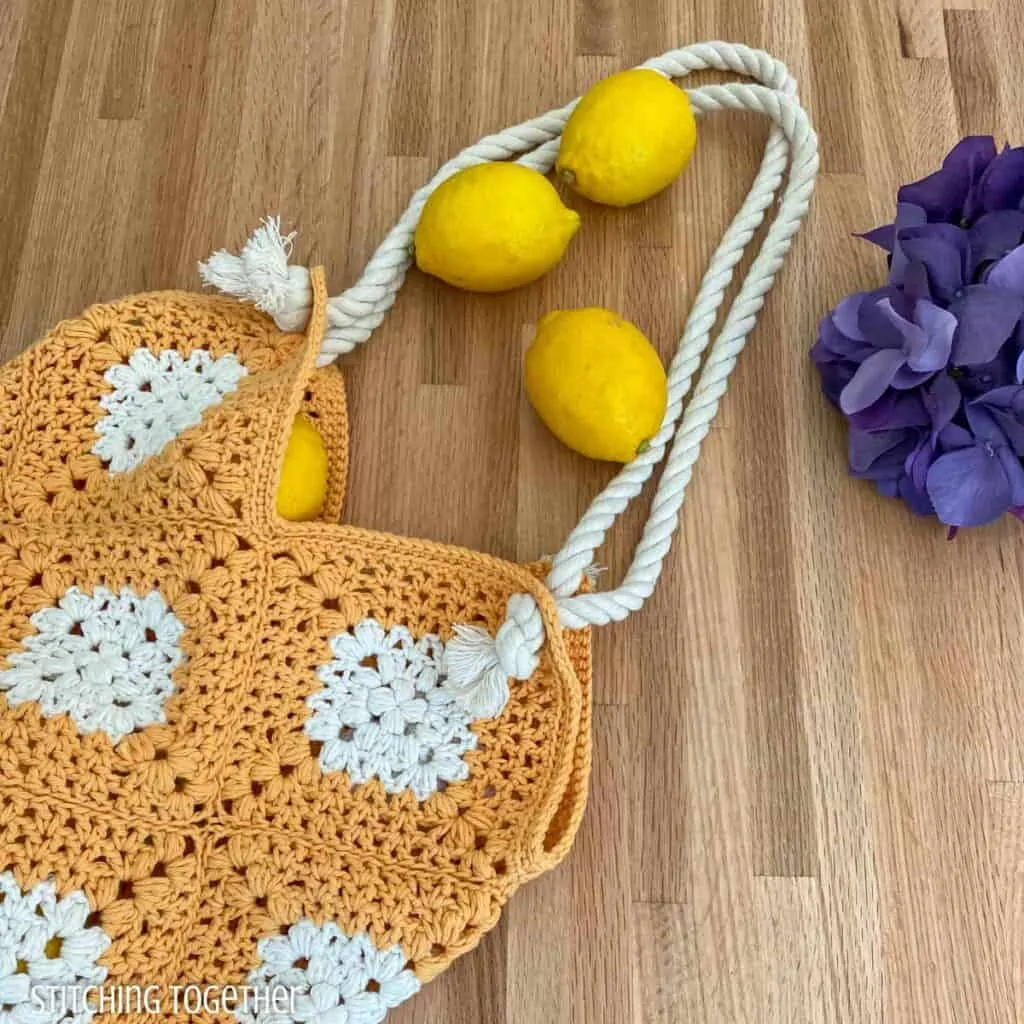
x: 1008, y: 273
x: 978, y: 380
x: 846, y: 316
x: 946, y: 191
x: 906, y: 379
x: 968, y: 487
x: 884, y: 237
x: 873, y: 376
x: 913, y: 339
x: 882, y: 326
x: 834, y: 377
x: 1002, y: 185
x: 907, y: 216
x: 940, y: 193
x: 929, y: 350
x: 1014, y: 474
x: 984, y: 426
x: 840, y: 345
x: 941, y: 400
x: 895, y: 410
x: 1005, y: 406
x: 916, y: 287
x: 913, y: 486
x: 945, y: 233
x: 993, y: 235
x: 942, y: 249
x: 979, y: 160
x: 1012, y: 429
x: 1009, y: 397
x: 977, y: 156
x: 866, y: 449
x: 987, y: 316
x: 972, y: 151
x: 919, y: 461
x: 952, y: 437
x: 821, y: 353
x: 910, y: 215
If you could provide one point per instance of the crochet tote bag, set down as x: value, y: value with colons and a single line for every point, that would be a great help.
x: 260, y: 770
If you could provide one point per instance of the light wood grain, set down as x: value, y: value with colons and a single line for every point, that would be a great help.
x: 808, y: 794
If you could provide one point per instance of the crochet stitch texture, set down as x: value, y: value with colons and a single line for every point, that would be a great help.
x: 227, y: 823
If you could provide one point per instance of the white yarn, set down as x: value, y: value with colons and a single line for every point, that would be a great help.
x: 791, y: 141
x: 482, y: 666
x: 384, y: 712
x: 104, y: 659
x: 157, y: 396
x: 37, y: 973
x: 260, y: 274
x: 329, y: 978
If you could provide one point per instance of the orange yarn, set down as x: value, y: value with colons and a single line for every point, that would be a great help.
x: 195, y: 839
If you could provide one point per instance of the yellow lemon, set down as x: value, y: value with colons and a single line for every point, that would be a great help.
x: 597, y: 382
x: 493, y: 227
x: 628, y: 138
x: 302, y: 489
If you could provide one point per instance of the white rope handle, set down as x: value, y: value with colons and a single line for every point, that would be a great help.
x: 261, y: 273
x: 479, y: 665
x: 792, y: 138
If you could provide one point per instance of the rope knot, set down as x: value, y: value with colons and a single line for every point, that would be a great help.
x: 479, y: 666
x: 260, y: 274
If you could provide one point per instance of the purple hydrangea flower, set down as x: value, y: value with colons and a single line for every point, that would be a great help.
x: 908, y: 348
x: 929, y: 369
x: 974, y: 179
x: 977, y: 480
x: 895, y: 442
x: 954, y: 192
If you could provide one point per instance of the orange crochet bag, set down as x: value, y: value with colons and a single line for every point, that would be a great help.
x: 267, y: 771
x: 191, y: 689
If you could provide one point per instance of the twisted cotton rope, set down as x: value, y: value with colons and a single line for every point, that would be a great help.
x: 261, y: 274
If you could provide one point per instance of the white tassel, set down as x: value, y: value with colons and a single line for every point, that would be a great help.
x: 475, y: 677
x: 260, y: 274
x: 479, y: 666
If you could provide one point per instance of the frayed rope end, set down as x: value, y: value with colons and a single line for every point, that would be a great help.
x: 478, y: 666
x: 474, y: 676
x: 260, y: 274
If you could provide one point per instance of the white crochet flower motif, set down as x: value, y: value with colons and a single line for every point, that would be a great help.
x: 331, y: 977
x: 156, y: 397
x: 48, y: 957
x: 384, y: 714
x: 105, y: 659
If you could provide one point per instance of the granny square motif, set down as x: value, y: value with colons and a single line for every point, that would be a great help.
x: 226, y: 752
x: 301, y: 758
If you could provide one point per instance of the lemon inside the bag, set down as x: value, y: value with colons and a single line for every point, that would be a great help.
x: 302, y: 489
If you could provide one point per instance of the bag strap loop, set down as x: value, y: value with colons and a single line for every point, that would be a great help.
x: 261, y: 274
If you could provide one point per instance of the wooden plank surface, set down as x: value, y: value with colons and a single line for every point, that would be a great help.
x: 809, y: 747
